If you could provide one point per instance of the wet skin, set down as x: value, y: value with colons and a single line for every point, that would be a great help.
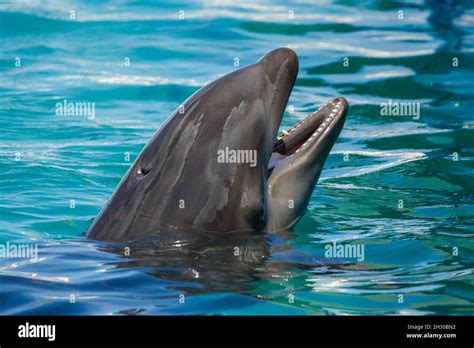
x: 178, y: 185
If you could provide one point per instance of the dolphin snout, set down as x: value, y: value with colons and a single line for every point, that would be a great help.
x: 280, y: 68
x: 281, y: 60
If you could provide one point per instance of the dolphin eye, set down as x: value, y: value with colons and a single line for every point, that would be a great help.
x: 143, y: 171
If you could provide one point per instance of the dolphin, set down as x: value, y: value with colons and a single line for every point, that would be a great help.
x: 219, y: 165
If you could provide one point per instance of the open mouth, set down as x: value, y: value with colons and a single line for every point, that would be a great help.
x: 311, y: 128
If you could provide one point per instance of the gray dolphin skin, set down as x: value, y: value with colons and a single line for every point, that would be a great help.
x: 178, y: 182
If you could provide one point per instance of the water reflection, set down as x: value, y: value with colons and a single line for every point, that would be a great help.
x: 215, y: 262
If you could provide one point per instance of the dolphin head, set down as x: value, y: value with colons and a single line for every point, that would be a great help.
x: 215, y: 166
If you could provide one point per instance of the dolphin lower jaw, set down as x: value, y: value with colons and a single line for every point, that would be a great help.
x: 315, y: 131
x: 299, y: 157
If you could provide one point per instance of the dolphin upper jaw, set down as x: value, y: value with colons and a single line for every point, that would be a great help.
x: 280, y: 68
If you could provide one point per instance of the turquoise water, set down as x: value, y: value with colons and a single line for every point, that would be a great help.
x: 401, y: 186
